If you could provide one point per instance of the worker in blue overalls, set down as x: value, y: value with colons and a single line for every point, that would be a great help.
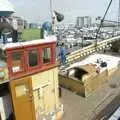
x: 62, y: 54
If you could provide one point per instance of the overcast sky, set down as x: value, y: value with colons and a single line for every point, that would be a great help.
x: 39, y: 10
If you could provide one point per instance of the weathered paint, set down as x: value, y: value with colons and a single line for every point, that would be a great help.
x: 21, y: 90
x: 42, y: 97
x: 45, y: 92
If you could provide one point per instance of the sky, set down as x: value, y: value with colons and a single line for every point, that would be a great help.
x: 39, y: 10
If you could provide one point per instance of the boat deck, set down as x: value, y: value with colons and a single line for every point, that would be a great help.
x: 80, y: 108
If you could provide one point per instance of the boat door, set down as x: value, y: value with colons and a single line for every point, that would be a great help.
x: 21, y: 90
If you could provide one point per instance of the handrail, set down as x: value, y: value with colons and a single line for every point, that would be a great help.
x: 91, y: 49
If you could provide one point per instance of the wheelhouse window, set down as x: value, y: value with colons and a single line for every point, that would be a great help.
x: 17, y: 62
x: 33, y: 58
x: 46, y: 55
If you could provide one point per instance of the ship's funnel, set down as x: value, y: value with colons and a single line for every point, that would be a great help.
x: 6, y: 8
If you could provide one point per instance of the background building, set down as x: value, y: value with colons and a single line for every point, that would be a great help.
x: 80, y: 22
x: 34, y: 25
x: 87, y: 21
x: 83, y: 21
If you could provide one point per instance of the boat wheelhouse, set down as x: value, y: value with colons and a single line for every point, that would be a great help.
x: 29, y: 71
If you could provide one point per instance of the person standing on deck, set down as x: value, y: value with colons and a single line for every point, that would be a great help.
x: 62, y: 54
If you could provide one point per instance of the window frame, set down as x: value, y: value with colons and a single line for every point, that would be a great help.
x: 48, y: 63
x: 38, y: 66
x: 26, y: 69
x: 10, y: 61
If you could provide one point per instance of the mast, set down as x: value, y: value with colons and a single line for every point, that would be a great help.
x: 51, y: 8
x: 119, y: 16
x: 52, y: 15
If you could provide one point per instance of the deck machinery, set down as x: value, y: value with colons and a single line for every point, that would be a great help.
x: 29, y: 74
